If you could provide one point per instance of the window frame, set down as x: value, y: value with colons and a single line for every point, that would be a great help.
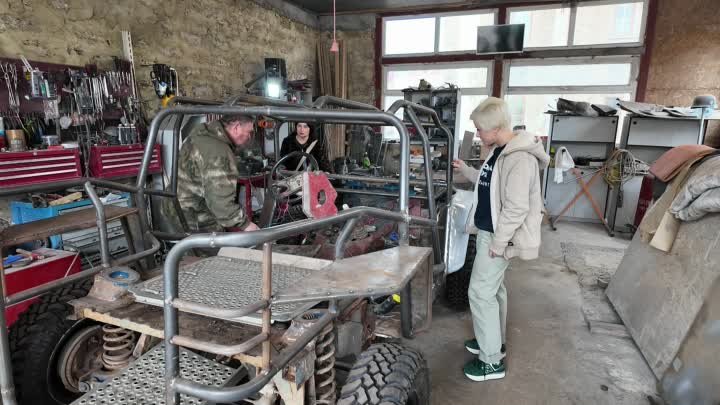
x: 436, y: 16
x: 631, y: 87
x: 464, y: 91
x: 573, y: 18
x: 469, y: 91
x: 584, y: 89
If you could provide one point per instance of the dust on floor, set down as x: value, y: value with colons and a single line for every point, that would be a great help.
x: 554, y: 357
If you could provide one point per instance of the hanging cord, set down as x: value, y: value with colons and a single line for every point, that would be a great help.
x: 334, y: 47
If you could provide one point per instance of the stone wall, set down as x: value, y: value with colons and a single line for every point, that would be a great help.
x: 360, y: 47
x: 215, y: 45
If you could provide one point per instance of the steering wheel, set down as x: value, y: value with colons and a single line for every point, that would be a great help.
x: 280, y: 187
x: 275, y: 173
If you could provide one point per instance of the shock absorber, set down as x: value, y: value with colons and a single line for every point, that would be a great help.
x: 325, y: 366
x: 324, y: 377
x: 118, y: 345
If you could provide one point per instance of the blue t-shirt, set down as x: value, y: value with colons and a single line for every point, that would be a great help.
x: 483, y: 213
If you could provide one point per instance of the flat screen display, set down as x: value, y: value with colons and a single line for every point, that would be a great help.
x: 507, y: 38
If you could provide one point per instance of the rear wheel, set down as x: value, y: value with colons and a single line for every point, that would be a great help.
x: 457, y: 283
x: 388, y: 374
x: 42, y: 342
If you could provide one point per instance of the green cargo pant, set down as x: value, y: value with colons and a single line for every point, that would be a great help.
x: 488, y: 300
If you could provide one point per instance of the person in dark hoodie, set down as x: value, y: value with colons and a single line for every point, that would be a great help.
x: 304, y: 140
x: 506, y: 219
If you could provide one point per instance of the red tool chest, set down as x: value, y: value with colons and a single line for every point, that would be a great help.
x: 39, y: 166
x: 122, y: 160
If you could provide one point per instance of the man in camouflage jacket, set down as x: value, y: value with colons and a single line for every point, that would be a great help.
x: 208, y: 175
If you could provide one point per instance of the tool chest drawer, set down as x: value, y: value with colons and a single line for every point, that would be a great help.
x: 122, y: 161
x: 39, y: 167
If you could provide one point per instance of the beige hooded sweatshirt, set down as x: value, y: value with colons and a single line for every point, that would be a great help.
x: 515, y: 197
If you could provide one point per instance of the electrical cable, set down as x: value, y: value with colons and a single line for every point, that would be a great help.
x: 623, y: 166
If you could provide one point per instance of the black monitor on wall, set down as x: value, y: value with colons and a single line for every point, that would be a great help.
x: 507, y: 38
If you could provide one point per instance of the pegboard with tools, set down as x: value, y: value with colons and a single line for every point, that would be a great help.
x: 45, y: 106
x: 66, y: 103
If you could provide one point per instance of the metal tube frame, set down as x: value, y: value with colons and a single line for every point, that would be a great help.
x: 7, y: 387
x: 323, y: 101
x: 343, y: 237
x: 313, y: 115
x: 369, y: 117
x: 417, y: 108
x: 101, y: 224
x: 175, y: 385
x: 428, y: 179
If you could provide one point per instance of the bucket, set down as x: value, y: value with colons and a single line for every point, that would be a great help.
x: 16, y: 140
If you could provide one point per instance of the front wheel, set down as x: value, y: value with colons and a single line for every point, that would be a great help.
x: 43, y: 371
x: 387, y: 373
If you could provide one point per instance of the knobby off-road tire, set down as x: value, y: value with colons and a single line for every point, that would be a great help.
x: 35, y: 338
x: 387, y: 374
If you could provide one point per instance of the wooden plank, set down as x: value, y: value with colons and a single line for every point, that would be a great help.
x: 320, y: 68
x: 336, y: 83
x: 344, y: 70
x: 73, y: 221
x: 149, y: 320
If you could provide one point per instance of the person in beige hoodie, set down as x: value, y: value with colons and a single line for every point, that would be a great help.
x: 506, y: 218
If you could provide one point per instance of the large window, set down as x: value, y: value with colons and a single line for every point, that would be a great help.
x: 608, y: 23
x: 434, y: 33
x: 533, y: 87
x: 597, y: 23
x: 544, y: 27
x: 472, y: 78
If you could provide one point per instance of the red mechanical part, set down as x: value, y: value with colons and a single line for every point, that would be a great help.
x: 318, y: 196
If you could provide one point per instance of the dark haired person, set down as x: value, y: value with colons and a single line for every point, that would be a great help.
x: 304, y: 140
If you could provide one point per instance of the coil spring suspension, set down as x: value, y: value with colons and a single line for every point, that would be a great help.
x: 325, y: 366
x: 118, y: 345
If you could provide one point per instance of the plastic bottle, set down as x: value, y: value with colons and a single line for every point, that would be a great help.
x: 366, y: 161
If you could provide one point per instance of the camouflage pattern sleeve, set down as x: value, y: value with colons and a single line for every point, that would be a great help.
x: 219, y: 177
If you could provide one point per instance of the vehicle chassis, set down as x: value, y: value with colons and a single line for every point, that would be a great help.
x: 332, y: 294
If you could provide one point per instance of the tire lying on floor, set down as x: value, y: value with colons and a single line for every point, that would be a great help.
x: 457, y: 283
x: 387, y: 373
x: 38, y: 340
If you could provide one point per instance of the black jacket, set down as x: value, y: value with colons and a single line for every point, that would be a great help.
x: 290, y: 144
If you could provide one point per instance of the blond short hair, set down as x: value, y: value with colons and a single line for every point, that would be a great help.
x: 492, y: 113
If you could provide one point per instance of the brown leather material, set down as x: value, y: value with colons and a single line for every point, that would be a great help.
x: 672, y: 161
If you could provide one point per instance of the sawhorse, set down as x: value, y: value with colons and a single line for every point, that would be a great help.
x: 585, y: 191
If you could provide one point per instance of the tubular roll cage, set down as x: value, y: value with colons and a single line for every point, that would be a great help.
x: 361, y: 114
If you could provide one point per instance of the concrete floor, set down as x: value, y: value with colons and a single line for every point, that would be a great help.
x: 553, y: 357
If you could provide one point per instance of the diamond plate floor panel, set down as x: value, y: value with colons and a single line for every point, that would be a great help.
x: 143, y: 382
x: 228, y: 283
